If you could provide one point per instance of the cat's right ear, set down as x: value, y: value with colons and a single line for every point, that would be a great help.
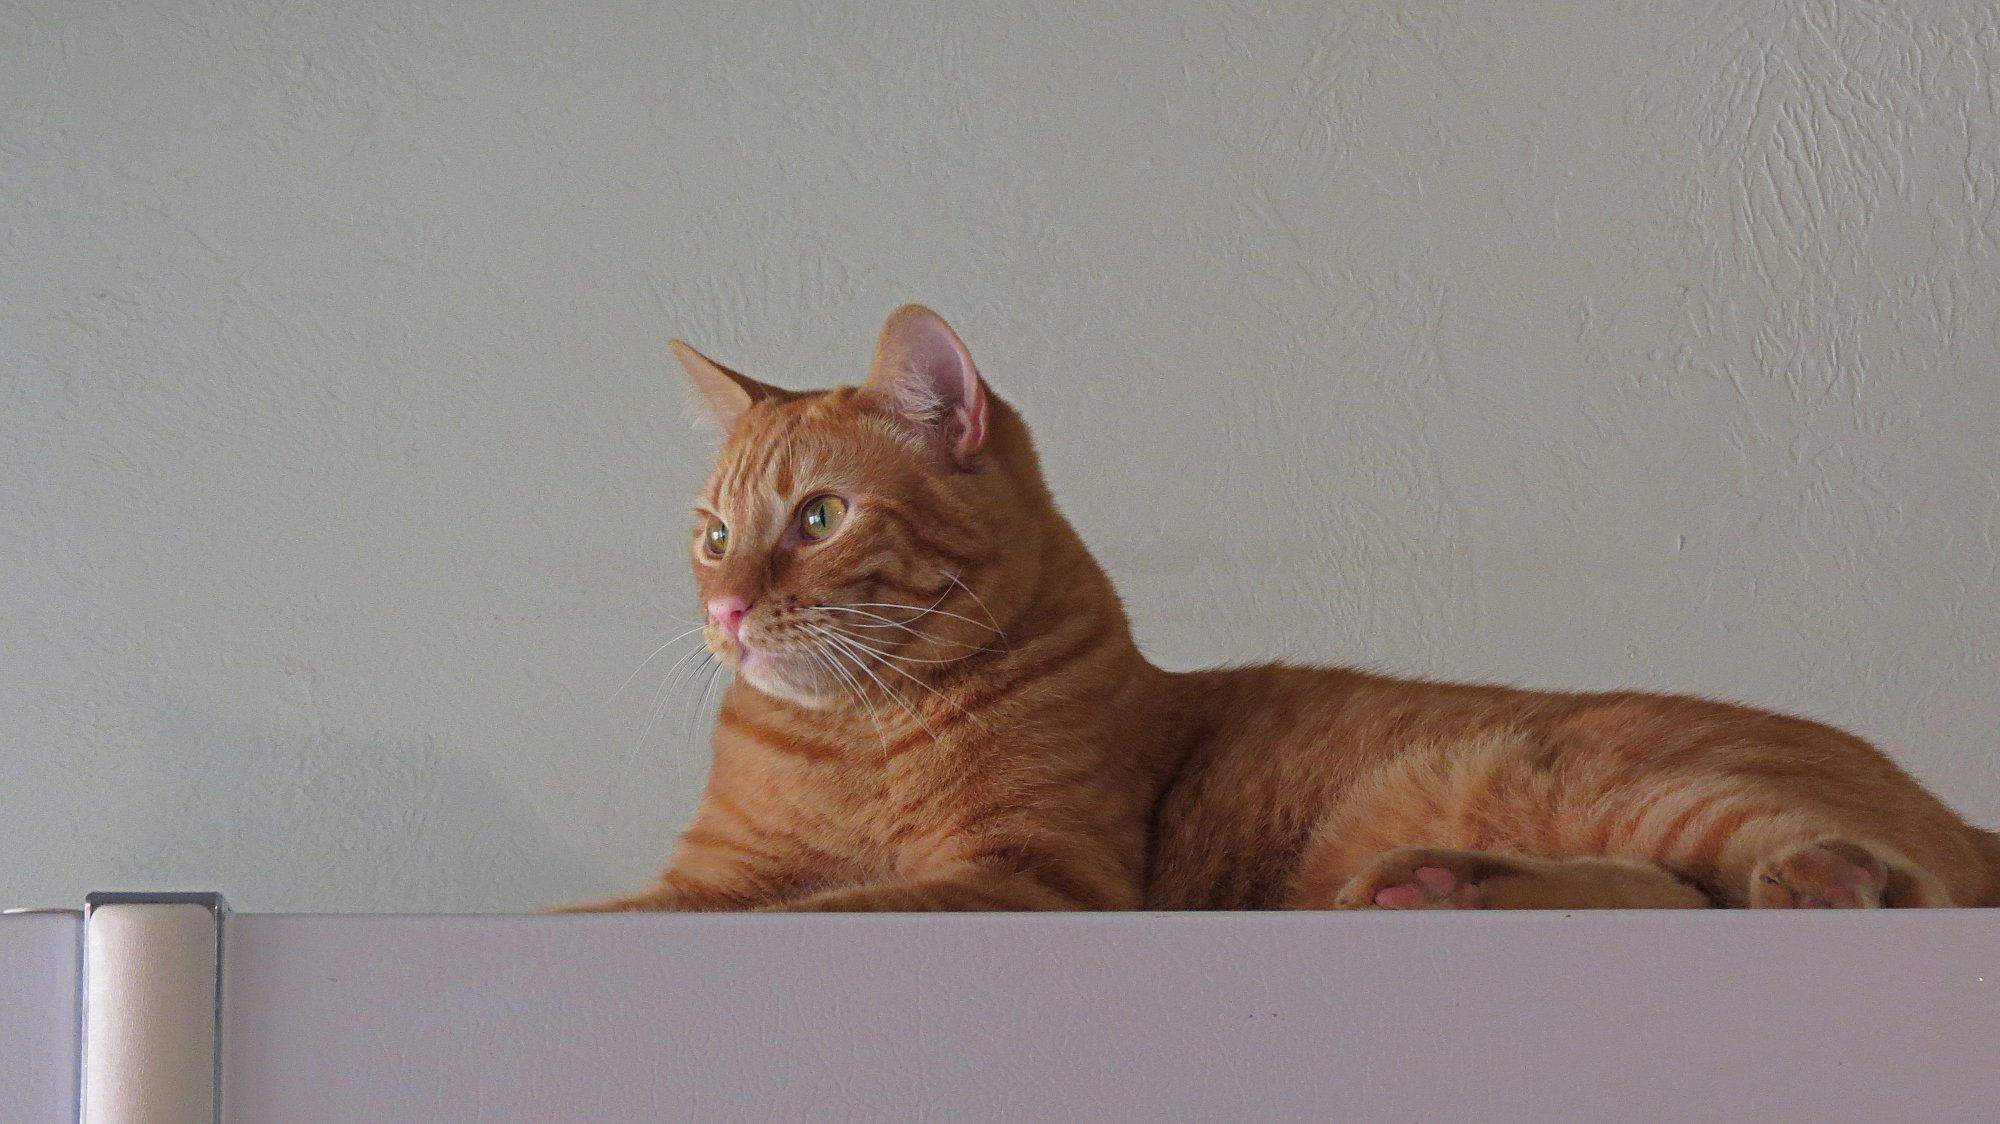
x: 924, y: 373
x: 720, y: 395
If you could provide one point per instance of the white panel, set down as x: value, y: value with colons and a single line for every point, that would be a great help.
x: 150, y: 1007
x: 40, y: 972
x: 1282, y: 1017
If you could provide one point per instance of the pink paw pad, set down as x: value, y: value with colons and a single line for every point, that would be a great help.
x: 1400, y: 897
x: 1436, y: 879
x: 1429, y: 887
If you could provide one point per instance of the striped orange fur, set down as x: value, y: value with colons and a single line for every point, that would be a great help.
x: 938, y: 705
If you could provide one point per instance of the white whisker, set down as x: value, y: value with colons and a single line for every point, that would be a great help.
x: 981, y: 602
x: 841, y: 647
x: 863, y: 642
x: 948, y: 700
x: 887, y: 623
x: 920, y: 614
x: 658, y: 707
x: 649, y: 659
x: 685, y: 676
x: 853, y: 686
x: 654, y: 710
x: 838, y: 674
x: 701, y: 709
x: 848, y: 684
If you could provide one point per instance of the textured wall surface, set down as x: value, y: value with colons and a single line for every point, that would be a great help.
x: 341, y: 462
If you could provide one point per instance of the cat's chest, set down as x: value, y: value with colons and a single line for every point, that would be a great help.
x: 888, y: 819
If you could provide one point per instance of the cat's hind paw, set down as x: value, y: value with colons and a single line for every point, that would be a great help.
x: 1827, y: 873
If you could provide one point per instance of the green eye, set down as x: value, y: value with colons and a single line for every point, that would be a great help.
x: 821, y: 516
x: 715, y: 540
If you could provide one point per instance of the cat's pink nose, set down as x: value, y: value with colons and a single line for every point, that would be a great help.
x: 728, y: 611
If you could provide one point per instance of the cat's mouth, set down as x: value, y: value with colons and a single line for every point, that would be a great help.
x: 824, y: 662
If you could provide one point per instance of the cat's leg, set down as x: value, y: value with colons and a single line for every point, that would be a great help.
x: 711, y: 872
x: 1763, y: 852
x: 670, y: 895
x: 1437, y: 878
x: 969, y: 893
x: 1017, y: 876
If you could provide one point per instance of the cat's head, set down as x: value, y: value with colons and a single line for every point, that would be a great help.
x: 849, y: 542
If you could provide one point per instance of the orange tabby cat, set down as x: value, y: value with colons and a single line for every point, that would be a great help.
x: 937, y: 705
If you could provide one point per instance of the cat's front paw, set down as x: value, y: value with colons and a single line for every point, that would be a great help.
x: 1418, y: 878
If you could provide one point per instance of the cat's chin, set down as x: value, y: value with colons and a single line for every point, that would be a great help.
x: 787, y: 679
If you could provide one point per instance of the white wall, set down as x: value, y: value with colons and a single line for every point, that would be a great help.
x: 341, y: 462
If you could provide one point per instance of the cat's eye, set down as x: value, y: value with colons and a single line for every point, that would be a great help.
x: 821, y: 516
x: 715, y: 540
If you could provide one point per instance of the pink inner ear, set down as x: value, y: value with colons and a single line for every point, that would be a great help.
x: 925, y: 371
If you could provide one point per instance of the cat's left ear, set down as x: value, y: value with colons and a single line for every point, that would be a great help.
x: 719, y: 393
x: 923, y: 371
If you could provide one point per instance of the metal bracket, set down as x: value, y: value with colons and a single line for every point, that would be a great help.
x: 152, y: 1009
